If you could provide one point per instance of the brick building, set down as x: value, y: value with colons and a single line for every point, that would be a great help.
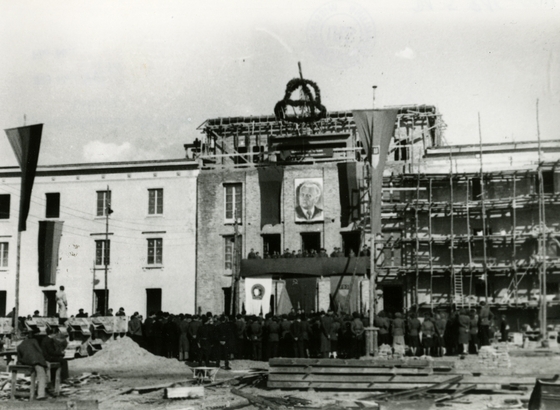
x: 460, y: 224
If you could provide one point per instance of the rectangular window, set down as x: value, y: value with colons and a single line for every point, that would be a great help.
x: 155, y: 251
x: 103, y: 202
x: 5, y: 206
x: 4, y: 247
x: 233, y: 201
x: 155, y: 201
x: 229, y: 243
x: 102, y: 252
x: 53, y: 205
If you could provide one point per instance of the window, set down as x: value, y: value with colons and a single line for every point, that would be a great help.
x: 271, y: 244
x: 230, y: 250
x: 155, y: 201
x: 102, y: 252
x: 155, y: 251
x: 311, y: 241
x: 103, y: 202
x: 53, y: 205
x: 5, y: 206
x: 229, y: 243
x: 4, y: 247
x: 233, y: 201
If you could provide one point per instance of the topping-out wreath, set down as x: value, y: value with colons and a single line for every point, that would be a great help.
x: 312, y: 100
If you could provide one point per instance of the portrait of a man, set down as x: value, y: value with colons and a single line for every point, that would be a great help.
x: 309, y: 199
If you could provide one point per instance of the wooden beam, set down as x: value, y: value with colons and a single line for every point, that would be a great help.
x: 188, y: 392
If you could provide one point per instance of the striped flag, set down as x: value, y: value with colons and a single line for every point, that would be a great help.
x: 26, y: 142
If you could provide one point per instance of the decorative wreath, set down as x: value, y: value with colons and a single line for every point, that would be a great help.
x: 312, y: 100
x: 257, y: 291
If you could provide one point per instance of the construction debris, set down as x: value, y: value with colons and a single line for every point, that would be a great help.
x: 191, y: 392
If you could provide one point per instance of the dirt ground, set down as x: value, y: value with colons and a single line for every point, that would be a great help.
x: 124, y: 366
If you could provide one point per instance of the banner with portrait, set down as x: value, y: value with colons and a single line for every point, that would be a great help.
x: 309, y: 200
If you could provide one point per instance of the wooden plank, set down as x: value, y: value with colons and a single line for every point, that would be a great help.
x: 351, y: 370
x: 50, y: 405
x: 259, y: 401
x: 189, y: 392
x: 348, y: 378
x: 347, y: 386
x: 349, y: 362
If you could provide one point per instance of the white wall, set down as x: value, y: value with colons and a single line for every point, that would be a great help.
x: 130, y: 227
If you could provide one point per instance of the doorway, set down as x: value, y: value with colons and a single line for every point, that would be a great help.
x: 49, y: 303
x: 351, y: 242
x: 227, y: 301
x: 311, y: 241
x: 153, y: 301
x: 393, y: 300
x: 271, y: 244
x: 100, y: 298
x: 3, y: 298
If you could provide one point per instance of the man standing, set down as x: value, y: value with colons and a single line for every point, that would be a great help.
x: 62, y: 303
x: 485, y: 318
x: 29, y: 353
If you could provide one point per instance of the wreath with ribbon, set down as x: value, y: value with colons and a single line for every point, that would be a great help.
x: 257, y: 291
x: 312, y: 100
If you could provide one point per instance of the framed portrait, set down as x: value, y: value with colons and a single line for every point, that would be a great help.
x: 308, y: 196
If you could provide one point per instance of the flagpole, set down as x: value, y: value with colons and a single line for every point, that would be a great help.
x: 18, y: 261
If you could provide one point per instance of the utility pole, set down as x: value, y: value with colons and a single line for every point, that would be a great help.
x: 108, y: 211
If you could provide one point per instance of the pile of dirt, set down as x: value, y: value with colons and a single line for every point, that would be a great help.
x: 124, y: 354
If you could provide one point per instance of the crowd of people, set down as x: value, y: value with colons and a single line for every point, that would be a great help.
x: 312, y: 253
x: 209, y: 338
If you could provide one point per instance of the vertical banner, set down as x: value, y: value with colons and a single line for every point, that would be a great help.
x: 26, y: 142
x: 375, y: 129
x: 309, y: 200
x: 349, y: 176
x: 257, y: 295
x: 50, y: 233
x: 270, y: 184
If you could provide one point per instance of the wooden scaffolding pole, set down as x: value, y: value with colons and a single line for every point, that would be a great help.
x: 430, y: 246
x: 483, y: 210
x: 513, y: 246
x: 417, y: 256
x: 451, y: 227
x: 542, y: 237
x: 469, y: 243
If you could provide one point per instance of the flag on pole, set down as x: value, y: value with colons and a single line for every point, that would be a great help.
x: 375, y: 129
x: 26, y: 142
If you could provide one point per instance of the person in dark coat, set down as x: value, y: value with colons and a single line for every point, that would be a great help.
x: 205, y: 340
x: 504, y: 329
x: 256, y: 338
x: 223, y: 339
x: 29, y: 352
x: 192, y: 333
x: 297, y: 335
x: 413, y: 329
x: 382, y: 323
x: 157, y: 335
x: 326, y: 322
x: 464, y: 327
x: 439, y: 341
x: 241, y: 339
x: 397, y: 330
x: 171, y: 334
x: 273, y: 338
x: 53, y: 347
x: 286, y: 339
x: 486, y: 317
x: 358, y: 329
x: 148, y: 332
x: 428, y: 334
x: 474, y: 341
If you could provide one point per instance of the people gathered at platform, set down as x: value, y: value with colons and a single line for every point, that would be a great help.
x: 208, y: 338
x: 312, y: 253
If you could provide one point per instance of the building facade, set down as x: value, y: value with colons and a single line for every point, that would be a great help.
x: 460, y: 224
x: 145, y: 247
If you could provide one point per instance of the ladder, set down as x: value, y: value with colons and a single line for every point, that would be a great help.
x: 458, y: 297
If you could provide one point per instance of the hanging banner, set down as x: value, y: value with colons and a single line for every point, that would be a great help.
x: 26, y: 142
x: 50, y: 233
x: 270, y: 183
x: 375, y: 129
x: 257, y: 295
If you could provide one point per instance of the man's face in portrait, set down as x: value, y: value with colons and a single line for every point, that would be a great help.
x: 308, y: 196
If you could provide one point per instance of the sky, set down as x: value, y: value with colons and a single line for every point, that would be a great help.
x: 132, y: 80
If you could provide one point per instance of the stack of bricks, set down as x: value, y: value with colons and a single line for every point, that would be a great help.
x: 491, y: 358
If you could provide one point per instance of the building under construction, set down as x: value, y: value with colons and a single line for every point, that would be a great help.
x: 460, y: 224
